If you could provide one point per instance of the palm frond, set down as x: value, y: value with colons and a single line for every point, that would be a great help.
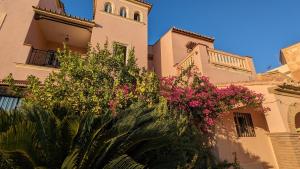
x: 15, y: 159
x: 123, y: 162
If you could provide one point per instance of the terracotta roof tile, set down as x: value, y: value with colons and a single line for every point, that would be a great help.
x: 63, y: 14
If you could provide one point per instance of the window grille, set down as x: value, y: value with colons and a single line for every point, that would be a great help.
x: 9, y: 103
x: 244, y: 125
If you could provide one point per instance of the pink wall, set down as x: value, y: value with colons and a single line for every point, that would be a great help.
x: 163, y: 62
x: 19, y: 33
x: 179, y: 42
x: 171, y: 50
x: 113, y: 28
x: 223, y: 74
x: 13, y: 33
x: 251, y: 152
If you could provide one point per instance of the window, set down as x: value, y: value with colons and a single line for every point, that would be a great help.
x: 9, y: 103
x: 123, y: 12
x: 120, y: 50
x: 2, y: 18
x: 137, y: 16
x: 297, y: 122
x: 244, y: 125
x: 108, y: 7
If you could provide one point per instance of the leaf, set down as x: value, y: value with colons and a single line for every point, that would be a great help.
x: 123, y: 162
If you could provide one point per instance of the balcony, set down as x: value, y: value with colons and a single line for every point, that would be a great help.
x: 43, y: 58
x: 188, y: 61
x: 229, y: 60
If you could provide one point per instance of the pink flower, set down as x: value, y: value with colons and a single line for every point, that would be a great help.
x: 194, y: 103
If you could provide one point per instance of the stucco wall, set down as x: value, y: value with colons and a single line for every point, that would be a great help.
x: 179, y: 42
x: 19, y: 33
x: 13, y: 33
x: 171, y: 50
x: 291, y: 57
x: 163, y: 56
x: 113, y: 28
x: 251, y: 152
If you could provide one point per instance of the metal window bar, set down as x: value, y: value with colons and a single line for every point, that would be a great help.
x: 9, y: 103
x: 244, y: 125
x: 43, y: 58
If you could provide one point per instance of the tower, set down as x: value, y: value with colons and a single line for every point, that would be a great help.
x: 123, y: 23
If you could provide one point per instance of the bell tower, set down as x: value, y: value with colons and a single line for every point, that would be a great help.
x: 125, y: 23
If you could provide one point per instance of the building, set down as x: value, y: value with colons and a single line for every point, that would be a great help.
x: 29, y: 40
x: 178, y: 49
x: 43, y: 26
x: 290, y: 60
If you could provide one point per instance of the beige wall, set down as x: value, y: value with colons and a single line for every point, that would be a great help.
x: 219, y: 74
x: 13, y: 33
x: 251, y: 152
x: 171, y: 50
x: 19, y: 33
x: 113, y: 28
x: 291, y: 57
x: 163, y: 56
x: 179, y: 42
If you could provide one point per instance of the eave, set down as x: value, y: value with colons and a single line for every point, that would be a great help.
x: 192, y: 34
x: 42, y: 13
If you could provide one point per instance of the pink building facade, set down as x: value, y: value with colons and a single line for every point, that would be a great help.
x: 29, y: 41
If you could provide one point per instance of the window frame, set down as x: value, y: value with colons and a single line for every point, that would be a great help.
x: 105, y: 7
x: 7, y: 107
x: 123, y: 45
x: 139, y: 16
x: 244, y: 128
x: 125, y: 12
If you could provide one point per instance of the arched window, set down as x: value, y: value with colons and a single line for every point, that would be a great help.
x: 123, y: 12
x: 137, y: 16
x: 297, y: 122
x: 108, y: 7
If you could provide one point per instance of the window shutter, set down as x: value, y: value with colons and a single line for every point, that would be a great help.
x: 2, y: 17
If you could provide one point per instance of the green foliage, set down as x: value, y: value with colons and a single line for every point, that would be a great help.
x: 98, y: 111
x: 89, y: 83
x: 137, y: 137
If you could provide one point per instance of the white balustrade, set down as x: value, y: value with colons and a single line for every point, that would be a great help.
x: 226, y: 59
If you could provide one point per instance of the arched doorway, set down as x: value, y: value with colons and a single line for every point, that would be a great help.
x: 297, y: 122
x: 294, y: 117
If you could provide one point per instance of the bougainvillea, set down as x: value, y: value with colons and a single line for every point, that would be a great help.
x: 202, y: 101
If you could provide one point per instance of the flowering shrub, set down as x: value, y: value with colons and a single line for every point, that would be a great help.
x: 203, y: 102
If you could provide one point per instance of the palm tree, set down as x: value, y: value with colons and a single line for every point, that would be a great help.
x: 138, y: 137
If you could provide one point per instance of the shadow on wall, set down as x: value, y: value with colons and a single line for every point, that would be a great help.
x: 297, y: 122
x: 229, y: 147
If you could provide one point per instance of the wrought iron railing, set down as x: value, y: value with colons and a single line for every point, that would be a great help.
x: 43, y: 58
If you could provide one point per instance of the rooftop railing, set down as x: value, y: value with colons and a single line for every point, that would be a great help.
x: 228, y: 60
x: 43, y: 58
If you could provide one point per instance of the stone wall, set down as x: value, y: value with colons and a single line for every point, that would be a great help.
x: 287, y: 149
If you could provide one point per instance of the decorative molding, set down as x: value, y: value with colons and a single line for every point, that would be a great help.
x: 34, y: 67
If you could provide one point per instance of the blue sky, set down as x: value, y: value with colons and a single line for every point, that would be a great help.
x: 257, y: 28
